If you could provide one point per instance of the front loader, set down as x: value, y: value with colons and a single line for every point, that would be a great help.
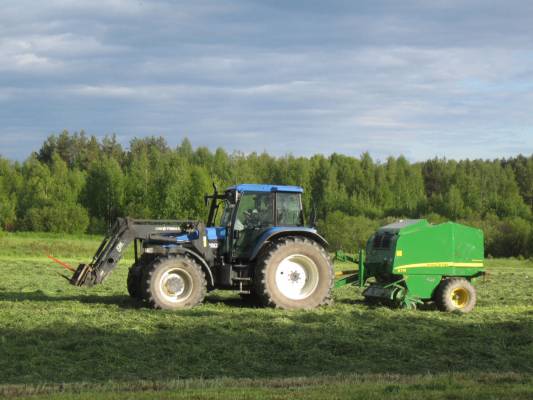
x: 260, y: 247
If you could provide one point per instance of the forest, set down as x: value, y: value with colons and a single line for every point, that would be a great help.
x: 76, y: 183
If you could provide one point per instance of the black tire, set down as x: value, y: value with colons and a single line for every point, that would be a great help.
x: 174, y: 282
x: 134, y: 281
x: 455, y: 294
x: 135, y: 274
x: 288, y: 264
x: 371, y: 301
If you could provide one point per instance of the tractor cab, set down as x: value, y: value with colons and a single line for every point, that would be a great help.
x: 249, y: 212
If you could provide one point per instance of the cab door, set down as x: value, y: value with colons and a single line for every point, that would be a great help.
x: 255, y: 214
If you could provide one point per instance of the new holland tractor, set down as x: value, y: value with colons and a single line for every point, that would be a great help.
x: 261, y: 248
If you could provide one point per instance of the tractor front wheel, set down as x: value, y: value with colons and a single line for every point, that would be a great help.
x: 294, y: 273
x: 455, y: 294
x: 135, y: 276
x: 174, y: 282
x: 134, y: 281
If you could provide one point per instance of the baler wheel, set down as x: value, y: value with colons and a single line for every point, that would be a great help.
x: 174, y: 282
x: 455, y: 294
x: 294, y: 273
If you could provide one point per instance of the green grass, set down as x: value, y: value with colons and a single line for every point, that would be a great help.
x: 65, y: 342
x: 367, y: 387
x: 26, y: 244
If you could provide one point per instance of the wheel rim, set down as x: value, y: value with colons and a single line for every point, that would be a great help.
x: 297, y: 277
x: 459, y: 297
x: 176, y: 285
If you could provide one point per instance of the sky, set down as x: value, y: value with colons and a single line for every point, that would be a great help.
x: 423, y: 79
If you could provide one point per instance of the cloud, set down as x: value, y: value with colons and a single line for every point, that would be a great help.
x: 412, y: 77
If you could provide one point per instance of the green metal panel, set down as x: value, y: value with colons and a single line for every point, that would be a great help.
x: 362, y: 271
x: 448, y: 249
x: 422, y: 286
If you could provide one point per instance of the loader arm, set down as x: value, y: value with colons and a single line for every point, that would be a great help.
x: 122, y: 234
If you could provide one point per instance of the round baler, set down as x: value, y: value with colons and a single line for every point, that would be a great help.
x: 412, y: 261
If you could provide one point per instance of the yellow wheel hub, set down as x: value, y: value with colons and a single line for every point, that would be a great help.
x: 459, y: 297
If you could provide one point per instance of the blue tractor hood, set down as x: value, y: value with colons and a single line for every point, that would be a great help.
x: 216, y: 233
x: 213, y: 233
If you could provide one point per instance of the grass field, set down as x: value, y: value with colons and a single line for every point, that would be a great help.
x: 69, y: 343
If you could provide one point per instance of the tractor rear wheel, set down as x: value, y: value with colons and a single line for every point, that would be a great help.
x: 455, y: 294
x: 135, y: 276
x: 294, y: 273
x: 174, y: 282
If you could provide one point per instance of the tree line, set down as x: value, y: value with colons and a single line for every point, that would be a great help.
x: 76, y: 183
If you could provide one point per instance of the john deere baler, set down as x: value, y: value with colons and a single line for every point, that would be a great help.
x: 413, y: 261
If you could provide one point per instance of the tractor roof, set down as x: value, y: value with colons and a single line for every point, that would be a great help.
x: 249, y: 187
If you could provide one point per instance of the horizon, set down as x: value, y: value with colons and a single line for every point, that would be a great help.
x: 173, y: 147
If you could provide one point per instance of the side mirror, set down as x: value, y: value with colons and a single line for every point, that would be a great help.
x: 236, y: 234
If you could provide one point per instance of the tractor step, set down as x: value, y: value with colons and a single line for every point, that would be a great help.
x: 240, y: 281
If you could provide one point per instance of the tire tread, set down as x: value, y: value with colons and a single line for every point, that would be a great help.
x: 442, y: 299
x: 260, y: 286
x: 150, y: 270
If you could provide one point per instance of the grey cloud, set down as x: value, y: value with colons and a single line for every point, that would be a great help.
x: 390, y: 77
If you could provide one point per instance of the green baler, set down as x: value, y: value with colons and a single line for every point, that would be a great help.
x: 413, y: 261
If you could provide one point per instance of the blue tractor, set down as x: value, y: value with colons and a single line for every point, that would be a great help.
x: 255, y: 242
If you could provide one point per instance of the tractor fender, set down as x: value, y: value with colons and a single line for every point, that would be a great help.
x: 203, y: 263
x: 279, y: 232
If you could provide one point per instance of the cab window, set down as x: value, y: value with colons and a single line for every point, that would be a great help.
x: 225, y: 220
x: 255, y: 211
x: 289, y: 209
